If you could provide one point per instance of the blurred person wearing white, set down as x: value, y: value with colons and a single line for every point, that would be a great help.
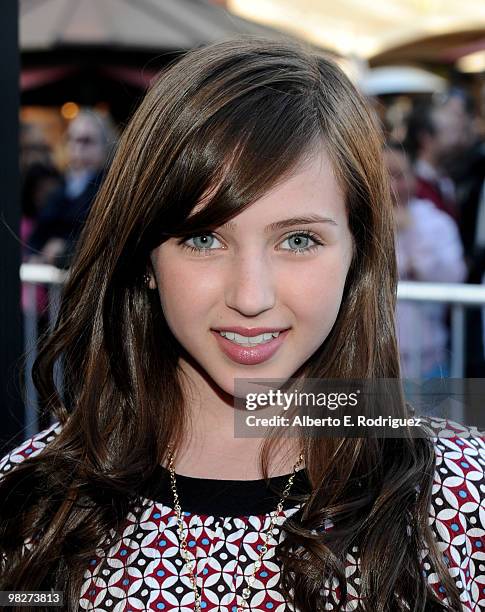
x: 433, y: 134
x: 428, y: 248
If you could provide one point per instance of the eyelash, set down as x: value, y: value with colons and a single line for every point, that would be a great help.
x: 301, y: 251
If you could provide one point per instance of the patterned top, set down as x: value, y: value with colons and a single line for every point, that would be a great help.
x: 224, y: 519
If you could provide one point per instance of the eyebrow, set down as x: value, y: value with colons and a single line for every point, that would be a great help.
x: 284, y: 223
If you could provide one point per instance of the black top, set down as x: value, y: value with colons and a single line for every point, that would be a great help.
x: 64, y: 217
x: 228, y: 498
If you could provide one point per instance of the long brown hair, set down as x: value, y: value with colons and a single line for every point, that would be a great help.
x: 229, y: 120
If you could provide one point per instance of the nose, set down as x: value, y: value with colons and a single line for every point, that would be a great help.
x: 250, y: 286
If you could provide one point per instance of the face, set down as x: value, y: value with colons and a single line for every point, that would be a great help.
x: 253, y: 276
x: 451, y: 132
x: 456, y: 108
x: 85, y: 144
x: 33, y: 146
x: 401, y: 176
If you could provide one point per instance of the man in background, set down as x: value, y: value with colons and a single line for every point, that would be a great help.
x: 90, y: 139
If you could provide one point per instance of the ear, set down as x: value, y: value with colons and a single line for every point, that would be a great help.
x: 150, y: 276
x: 426, y: 140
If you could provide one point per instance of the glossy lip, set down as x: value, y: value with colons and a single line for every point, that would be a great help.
x: 250, y: 333
x: 250, y: 355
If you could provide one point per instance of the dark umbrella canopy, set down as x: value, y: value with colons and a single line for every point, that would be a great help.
x: 439, y: 49
x: 108, y: 51
x: 135, y: 24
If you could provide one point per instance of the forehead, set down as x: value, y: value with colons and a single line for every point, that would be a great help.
x: 310, y: 188
x: 447, y: 118
x: 84, y: 124
x: 396, y: 159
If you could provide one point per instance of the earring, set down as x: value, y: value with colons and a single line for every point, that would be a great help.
x: 146, y: 280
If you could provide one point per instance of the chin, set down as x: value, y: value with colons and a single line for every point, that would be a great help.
x: 273, y: 372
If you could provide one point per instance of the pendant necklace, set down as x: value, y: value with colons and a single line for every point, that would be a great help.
x: 190, y: 563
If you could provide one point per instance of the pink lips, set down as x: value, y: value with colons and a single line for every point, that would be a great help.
x: 250, y: 355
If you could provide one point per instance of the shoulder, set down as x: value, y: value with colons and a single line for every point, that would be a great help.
x: 460, y: 456
x: 460, y: 467
x: 426, y: 211
x: 29, y: 448
x: 457, y: 512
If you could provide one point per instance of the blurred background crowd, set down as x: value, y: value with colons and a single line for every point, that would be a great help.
x: 86, y: 64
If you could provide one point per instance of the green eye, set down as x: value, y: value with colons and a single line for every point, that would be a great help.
x: 299, y: 242
x: 201, y: 243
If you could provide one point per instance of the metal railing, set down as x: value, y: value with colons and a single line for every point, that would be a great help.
x: 457, y: 296
x: 32, y: 276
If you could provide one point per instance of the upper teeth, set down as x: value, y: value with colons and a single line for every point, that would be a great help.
x: 249, y: 339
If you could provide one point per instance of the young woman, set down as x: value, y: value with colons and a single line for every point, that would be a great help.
x: 247, y: 198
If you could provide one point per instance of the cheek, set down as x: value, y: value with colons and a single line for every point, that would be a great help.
x: 99, y: 155
x: 186, y: 294
x: 401, y: 185
x: 315, y: 294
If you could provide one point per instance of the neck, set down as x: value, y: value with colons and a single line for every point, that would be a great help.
x: 210, y: 449
x: 428, y: 157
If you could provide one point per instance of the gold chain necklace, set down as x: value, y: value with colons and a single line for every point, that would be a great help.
x: 190, y: 564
